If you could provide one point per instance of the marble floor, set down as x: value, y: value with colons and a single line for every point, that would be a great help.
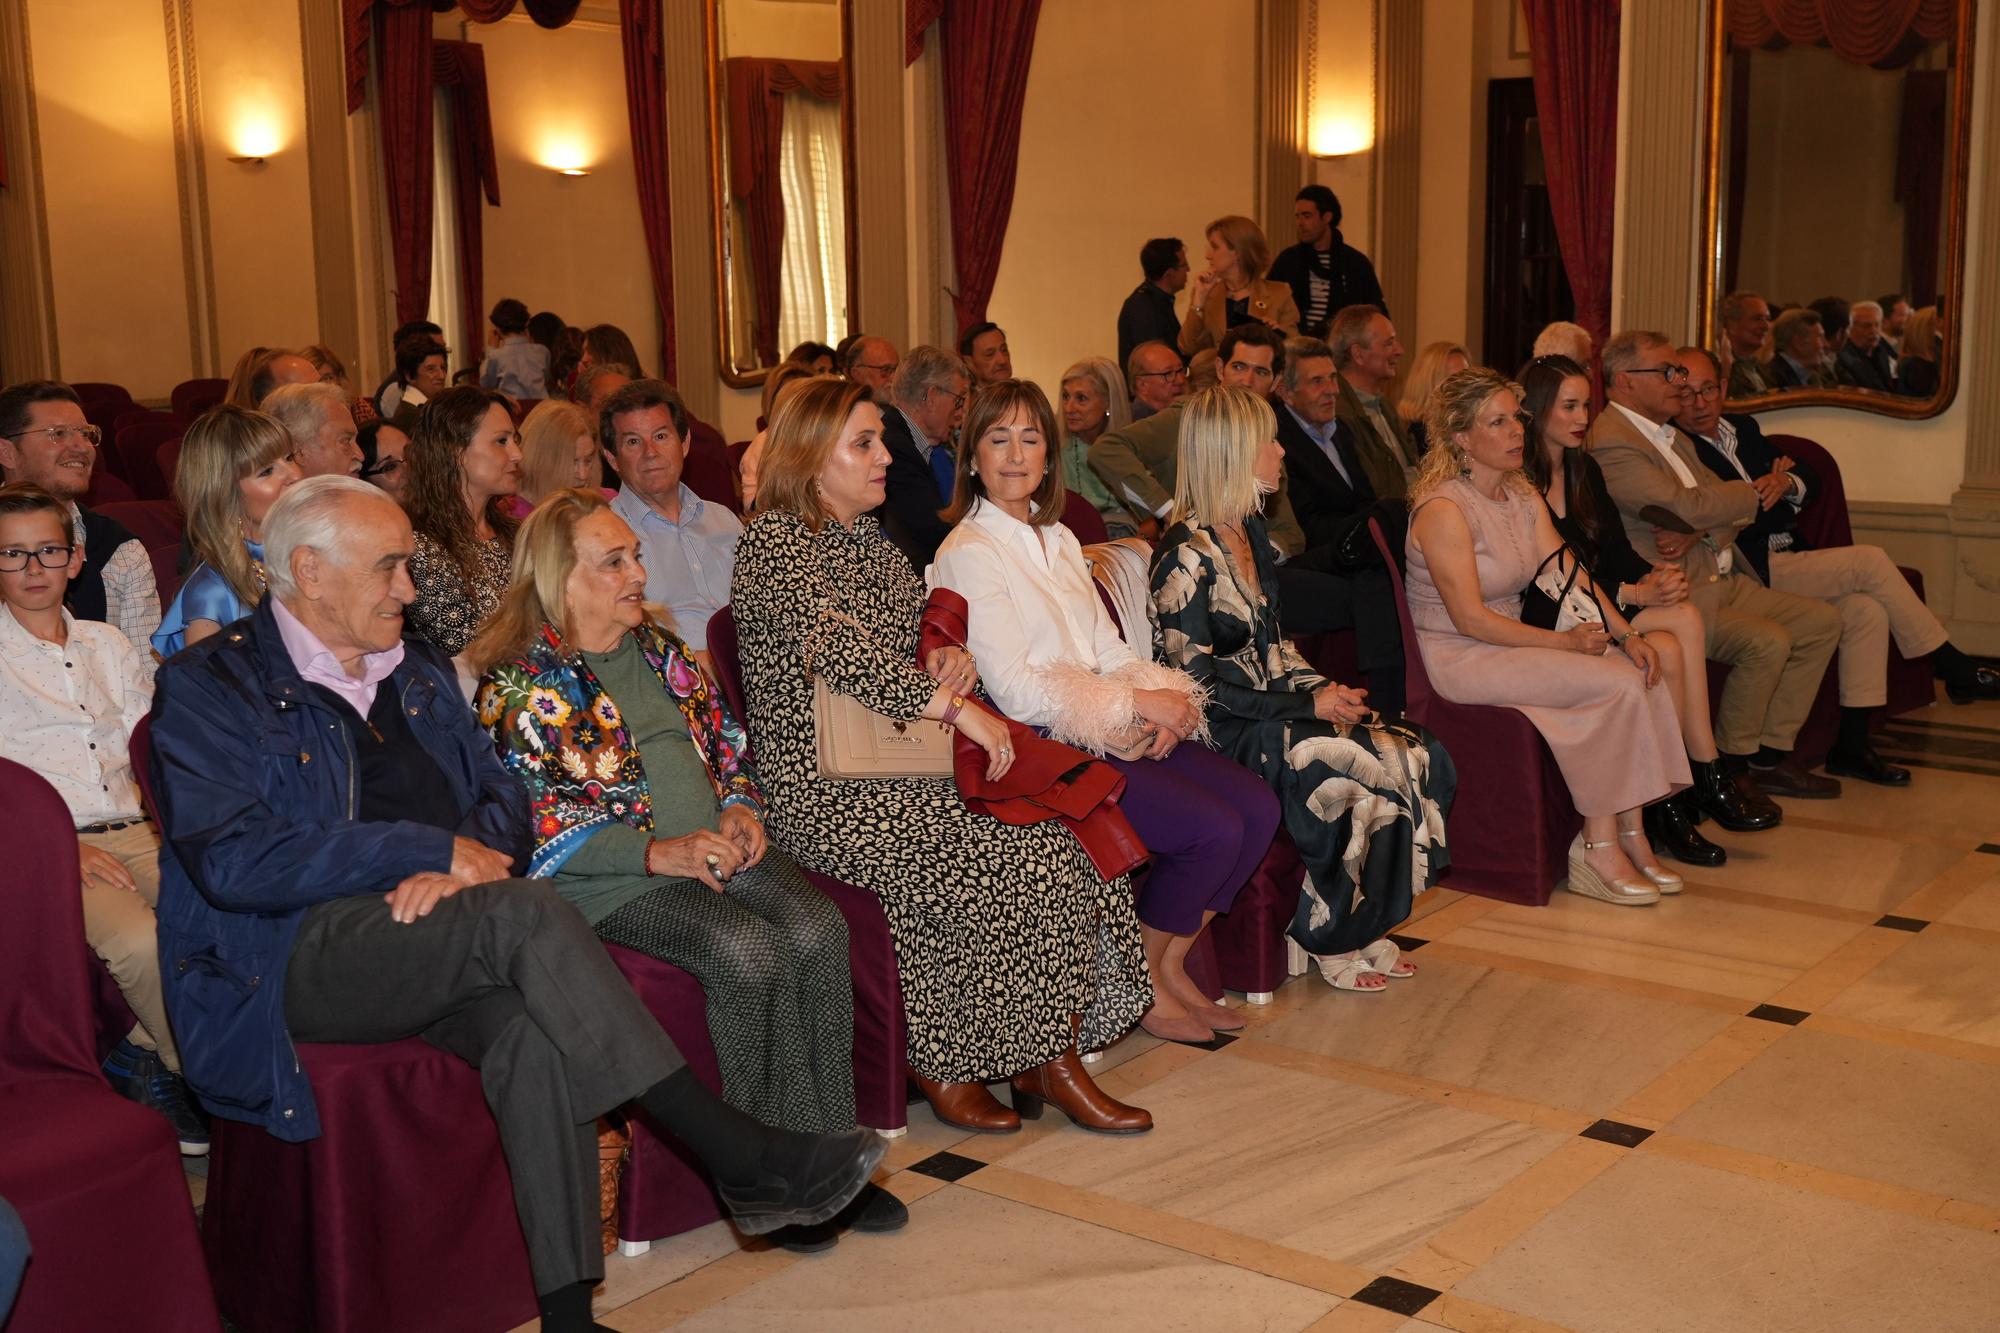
x: 1769, y: 1103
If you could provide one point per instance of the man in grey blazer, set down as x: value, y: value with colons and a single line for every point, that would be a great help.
x: 1777, y: 644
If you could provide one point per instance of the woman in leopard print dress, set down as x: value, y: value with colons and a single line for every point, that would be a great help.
x: 1014, y: 953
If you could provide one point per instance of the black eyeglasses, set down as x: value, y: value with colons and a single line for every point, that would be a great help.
x: 13, y: 560
x: 1671, y: 374
x: 1177, y: 373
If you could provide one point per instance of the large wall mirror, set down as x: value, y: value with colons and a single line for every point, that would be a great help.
x: 1837, y: 165
x: 780, y: 159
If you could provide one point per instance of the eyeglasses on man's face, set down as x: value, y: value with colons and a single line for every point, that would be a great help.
x: 1706, y: 393
x: 1672, y: 373
x: 13, y: 559
x: 60, y: 436
x: 1177, y: 373
x: 884, y: 367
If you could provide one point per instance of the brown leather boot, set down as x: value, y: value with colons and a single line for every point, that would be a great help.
x: 967, y: 1106
x: 1065, y: 1082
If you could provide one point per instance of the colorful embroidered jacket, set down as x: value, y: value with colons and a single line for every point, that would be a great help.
x: 563, y: 736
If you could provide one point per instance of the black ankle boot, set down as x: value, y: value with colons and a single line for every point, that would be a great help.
x: 1717, y: 792
x: 1672, y: 833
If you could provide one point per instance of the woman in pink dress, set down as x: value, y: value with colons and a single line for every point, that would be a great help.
x: 1478, y: 534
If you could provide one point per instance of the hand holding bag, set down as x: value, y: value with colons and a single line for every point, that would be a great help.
x: 855, y: 741
x: 1560, y: 579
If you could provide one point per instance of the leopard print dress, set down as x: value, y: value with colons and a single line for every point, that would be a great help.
x: 1003, y: 933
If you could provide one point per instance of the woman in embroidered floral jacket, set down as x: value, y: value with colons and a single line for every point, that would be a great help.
x: 649, y: 817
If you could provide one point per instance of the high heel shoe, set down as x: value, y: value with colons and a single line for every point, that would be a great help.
x: 1586, y: 881
x: 1665, y: 880
x: 1066, y: 1083
x: 968, y: 1106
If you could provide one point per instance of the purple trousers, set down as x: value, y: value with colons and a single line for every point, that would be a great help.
x: 1207, y: 820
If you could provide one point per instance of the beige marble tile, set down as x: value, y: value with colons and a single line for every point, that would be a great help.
x: 1659, y: 1246
x: 1939, y: 983
x: 1903, y: 1116
x: 973, y: 1261
x: 1353, y: 1173
x: 1952, y: 808
x: 1980, y: 908
x: 1740, y: 950
x: 670, y: 1260
x: 1828, y: 866
x: 1557, y: 1042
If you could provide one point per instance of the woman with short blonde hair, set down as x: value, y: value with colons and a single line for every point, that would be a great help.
x: 558, y: 450
x: 1363, y: 800
x: 234, y: 464
x: 1015, y: 954
x: 1436, y: 361
x: 1233, y: 290
x: 1095, y: 402
x: 787, y: 375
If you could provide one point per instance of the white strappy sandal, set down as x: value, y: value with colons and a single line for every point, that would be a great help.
x: 1343, y: 971
x: 1386, y: 957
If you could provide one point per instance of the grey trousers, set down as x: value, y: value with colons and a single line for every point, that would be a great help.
x: 511, y: 979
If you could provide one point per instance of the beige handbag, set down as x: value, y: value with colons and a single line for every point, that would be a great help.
x: 857, y: 742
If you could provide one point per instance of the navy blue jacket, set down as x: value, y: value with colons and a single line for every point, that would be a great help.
x: 254, y: 780
x: 1781, y: 520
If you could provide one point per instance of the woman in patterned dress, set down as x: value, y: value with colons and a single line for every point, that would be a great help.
x: 1363, y: 801
x: 1014, y: 953
x: 649, y: 817
x: 464, y: 462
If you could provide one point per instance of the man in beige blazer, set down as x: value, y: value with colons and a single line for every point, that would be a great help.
x: 1777, y: 644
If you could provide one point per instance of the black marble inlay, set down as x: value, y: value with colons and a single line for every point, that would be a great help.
x: 1407, y: 943
x: 1990, y: 848
x: 1395, y: 1295
x: 947, y: 1166
x: 1618, y: 1132
x: 1909, y: 923
x: 1774, y: 1013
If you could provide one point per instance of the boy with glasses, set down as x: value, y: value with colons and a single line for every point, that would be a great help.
x: 45, y: 441
x: 71, y: 691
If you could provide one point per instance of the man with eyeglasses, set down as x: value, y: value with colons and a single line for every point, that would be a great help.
x: 71, y: 692
x: 1157, y: 377
x: 927, y: 403
x: 45, y: 440
x: 871, y: 361
x: 1876, y: 603
x: 1139, y: 462
x: 1778, y: 644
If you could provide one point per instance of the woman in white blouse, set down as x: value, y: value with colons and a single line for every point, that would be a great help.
x: 1050, y: 657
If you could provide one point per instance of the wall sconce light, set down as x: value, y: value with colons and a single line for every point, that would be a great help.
x: 254, y: 140
x: 247, y: 161
x: 1341, y: 136
x: 571, y: 171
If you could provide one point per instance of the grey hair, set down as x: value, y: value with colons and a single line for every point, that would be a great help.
x: 1348, y: 329
x: 308, y: 515
x: 1623, y: 351
x: 1860, y: 306
x: 302, y: 408
x: 1563, y: 338
x: 1307, y: 349
x: 1737, y: 304
x: 924, y: 368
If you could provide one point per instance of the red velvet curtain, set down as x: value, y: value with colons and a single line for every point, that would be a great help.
x: 918, y: 15
x: 403, y: 104
x: 757, y: 89
x: 987, y: 45
x: 1867, y: 32
x: 355, y: 15
x: 461, y: 68
x: 646, y: 107
x: 1574, y: 45
x: 1921, y: 145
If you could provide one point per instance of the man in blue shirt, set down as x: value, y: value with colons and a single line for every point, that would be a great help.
x: 687, y: 544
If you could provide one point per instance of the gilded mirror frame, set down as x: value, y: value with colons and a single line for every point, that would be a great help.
x: 1958, y: 166
x: 718, y: 187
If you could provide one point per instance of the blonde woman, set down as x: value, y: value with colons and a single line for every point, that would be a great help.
x: 786, y: 374
x: 558, y: 450
x: 1233, y: 290
x: 1479, y: 531
x: 1014, y: 952
x: 650, y: 819
x: 1094, y: 402
x: 1364, y: 802
x: 1435, y: 362
x: 234, y: 465
x: 1917, y: 367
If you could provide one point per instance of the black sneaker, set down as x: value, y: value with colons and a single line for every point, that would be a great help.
x: 141, y: 1076
x: 804, y: 1179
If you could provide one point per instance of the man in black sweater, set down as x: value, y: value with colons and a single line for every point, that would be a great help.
x: 1326, y: 274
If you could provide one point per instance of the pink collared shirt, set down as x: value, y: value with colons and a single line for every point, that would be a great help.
x: 318, y: 665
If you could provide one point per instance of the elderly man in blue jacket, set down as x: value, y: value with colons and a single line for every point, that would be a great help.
x: 340, y: 841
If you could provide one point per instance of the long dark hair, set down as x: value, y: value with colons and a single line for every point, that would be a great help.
x: 435, y: 497
x: 1542, y: 381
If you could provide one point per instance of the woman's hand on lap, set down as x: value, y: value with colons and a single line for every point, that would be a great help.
x: 990, y: 734
x: 746, y: 831
x: 701, y: 855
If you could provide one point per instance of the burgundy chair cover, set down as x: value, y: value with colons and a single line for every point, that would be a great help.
x: 156, y: 523
x: 193, y: 397
x: 1824, y: 522
x: 1081, y: 517
x: 399, y: 1218
x: 737, y: 448
x: 167, y: 462
x: 1512, y: 823
x: 103, y: 404
x: 139, y: 444
x: 664, y: 1191
x: 97, y: 1180
x: 166, y: 571
x: 709, y: 471
x: 106, y: 487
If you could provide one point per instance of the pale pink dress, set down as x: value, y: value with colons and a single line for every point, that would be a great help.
x: 1617, y: 742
